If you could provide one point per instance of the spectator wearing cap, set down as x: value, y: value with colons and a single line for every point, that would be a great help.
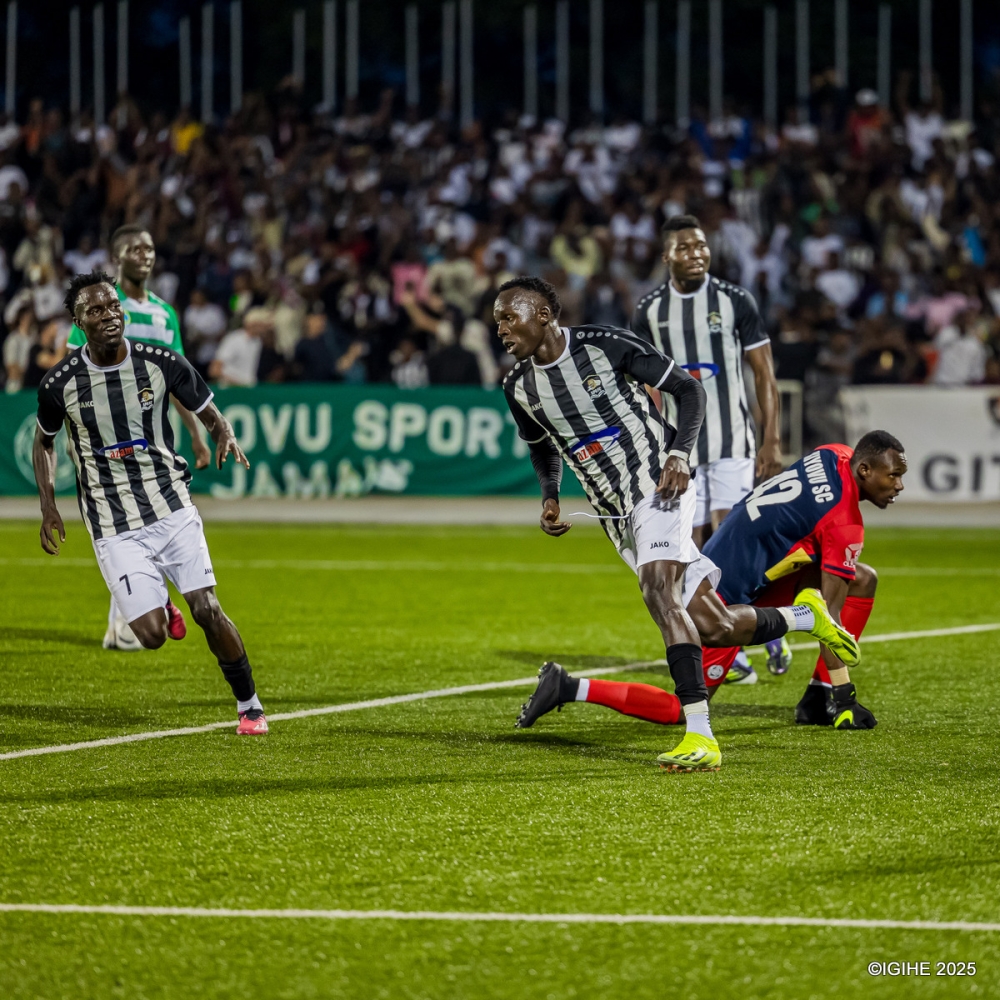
x: 866, y: 124
x: 238, y: 357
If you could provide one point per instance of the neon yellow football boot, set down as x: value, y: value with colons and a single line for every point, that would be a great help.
x: 835, y: 637
x: 694, y: 753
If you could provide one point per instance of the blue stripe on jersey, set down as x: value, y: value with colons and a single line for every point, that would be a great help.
x: 753, y: 544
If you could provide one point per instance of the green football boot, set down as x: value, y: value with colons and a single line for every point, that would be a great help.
x: 694, y: 753
x: 835, y: 637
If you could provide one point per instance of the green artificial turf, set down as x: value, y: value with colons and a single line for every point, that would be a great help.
x: 440, y: 805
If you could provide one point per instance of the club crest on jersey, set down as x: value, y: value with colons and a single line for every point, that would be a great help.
x: 595, y: 388
x: 714, y: 322
x: 145, y: 399
x: 586, y: 448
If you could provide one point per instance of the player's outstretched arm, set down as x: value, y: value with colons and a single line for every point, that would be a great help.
x: 202, y: 453
x: 547, y: 463
x: 43, y: 458
x: 690, y: 396
x: 221, y: 432
x: 769, y: 461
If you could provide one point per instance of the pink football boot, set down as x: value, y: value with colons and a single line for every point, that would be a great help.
x: 252, y: 723
x: 176, y: 626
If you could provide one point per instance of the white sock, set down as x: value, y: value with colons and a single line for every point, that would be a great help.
x: 799, y: 618
x: 112, y: 613
x: 697, y: 719
x: 583, y: 690
x: 245, y: 706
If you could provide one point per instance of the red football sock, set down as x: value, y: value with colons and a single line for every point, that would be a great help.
x: 716, y: 662
x: 640, y: 700
x: 854, y: 617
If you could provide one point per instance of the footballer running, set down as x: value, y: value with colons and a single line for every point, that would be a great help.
x: 151, y: 320
x: 132, y: 486
x: 576, y: 394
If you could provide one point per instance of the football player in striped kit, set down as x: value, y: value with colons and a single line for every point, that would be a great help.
x: 151, y: 320
x: 709, y: 326
x: 112, y: 396
x: 576, y: 396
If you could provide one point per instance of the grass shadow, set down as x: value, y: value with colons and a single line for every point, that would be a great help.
x: 566, y: 659
x: 246, y: 786
x: 74, y: 715
x: 90, y: 640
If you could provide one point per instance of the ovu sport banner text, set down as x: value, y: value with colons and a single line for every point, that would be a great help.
x: 316, y: 441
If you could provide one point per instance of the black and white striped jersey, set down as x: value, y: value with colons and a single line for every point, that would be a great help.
x: 127, y: 471
x: 592, y: 405
x: 706, y: 332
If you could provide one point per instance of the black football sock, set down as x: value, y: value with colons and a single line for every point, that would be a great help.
x: 771, y: 624
x: 684, y: 661
x: 240, y: 678
x: 568, y: 688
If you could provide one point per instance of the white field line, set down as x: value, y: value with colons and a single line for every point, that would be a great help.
x: 400, y: 699
x: 500, y: 918
x: 360, y: 565
x: 350, y: 706
x: 468, y: 566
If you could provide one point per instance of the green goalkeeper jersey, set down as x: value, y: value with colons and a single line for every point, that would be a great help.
x: 152, y: 322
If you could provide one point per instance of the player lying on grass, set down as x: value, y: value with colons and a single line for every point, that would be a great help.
x: 151, y: 320
x: 577, y: 394
x: 132, y: 486
x: 800, y: 529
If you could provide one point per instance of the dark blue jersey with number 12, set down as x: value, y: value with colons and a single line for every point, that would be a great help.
x: 808, y: 513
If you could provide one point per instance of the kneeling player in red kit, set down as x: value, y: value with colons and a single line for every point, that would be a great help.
x: 798, y: 530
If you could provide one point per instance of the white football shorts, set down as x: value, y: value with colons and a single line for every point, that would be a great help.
x: 658, y: 530
x: 721, y: 485
x: 135, y: 563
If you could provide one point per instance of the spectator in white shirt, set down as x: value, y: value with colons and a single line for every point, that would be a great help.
x: 238, y: 356
x: 840, y: 285
x: 204, y: 324
x: 86, y: 257
x: 816, y: 249
x: 923, y: 126
x: 961, y: 354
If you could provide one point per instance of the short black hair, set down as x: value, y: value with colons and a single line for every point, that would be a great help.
x: 678, y: 222
x: 130, y: 229
x: 875, y: 444
x: 532, y: 284
x: 80, y: 282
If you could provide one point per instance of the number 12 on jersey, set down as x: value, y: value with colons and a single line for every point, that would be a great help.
x: 783, y: 488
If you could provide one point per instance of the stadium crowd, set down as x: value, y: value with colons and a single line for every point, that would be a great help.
x: 368, y: 246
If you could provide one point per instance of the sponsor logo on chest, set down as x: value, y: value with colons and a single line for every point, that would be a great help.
x: 123, y: 449
x: 586, y: 449
x: 594, y: 386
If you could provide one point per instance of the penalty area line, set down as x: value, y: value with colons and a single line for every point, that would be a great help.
x: 500, y: 918
x: 402, y: 699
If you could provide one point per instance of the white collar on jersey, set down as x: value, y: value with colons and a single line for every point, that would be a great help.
x: 85, y: 354
x: 562, y: 357
x: 687, y: 295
